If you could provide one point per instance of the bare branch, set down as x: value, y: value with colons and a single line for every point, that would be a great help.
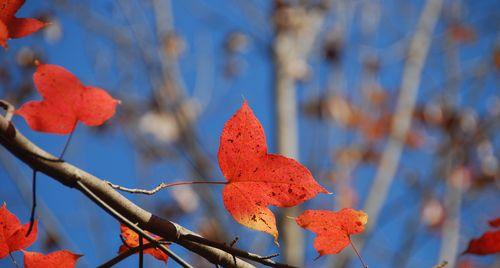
x: 237, y: 252
x: 161, y: 186
x: 74, y: 177
x: 418, y: 51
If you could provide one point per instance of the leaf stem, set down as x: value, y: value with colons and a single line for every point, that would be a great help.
x: 68, y: 140
x: 160, y: 186
x: 33, y: 204
x: 357, y: 253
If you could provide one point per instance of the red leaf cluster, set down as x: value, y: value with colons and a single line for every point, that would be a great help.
x: 13, y: 237
x: 13, y: 233
x: 13, y: 27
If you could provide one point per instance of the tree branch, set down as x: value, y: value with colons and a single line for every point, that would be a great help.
x: 160, y: 186
x: 72, y: 177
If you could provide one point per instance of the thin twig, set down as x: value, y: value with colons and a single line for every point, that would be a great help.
x: 357, y: 253
x: 234, y: 241
x: 13, y: 260
x: 129, y: 252
x: 270, y: 256
x: 160, y: 186
x: 132, y: 226
x: 9, y: 109
x: 33, y: 204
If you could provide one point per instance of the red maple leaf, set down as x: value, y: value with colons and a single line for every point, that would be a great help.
x: 131, y: 240
x: 488, y: 243
x: 12, y: 27
x: 65, y: 102
x: 13, y: 234
x: 257, y: 179
x: 56, y: 259
x: 332, y: 228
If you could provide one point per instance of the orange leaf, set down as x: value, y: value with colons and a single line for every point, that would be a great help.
x: 131, y: 240
x: 488, y: 243
x: 66, y: 101
x: 257, y: 179
x: 332, y: 228
x: 13, y: 234
x: 56, y: 259
x: 12, y: 27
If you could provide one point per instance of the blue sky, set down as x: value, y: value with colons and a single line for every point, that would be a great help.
x: 204, y: 26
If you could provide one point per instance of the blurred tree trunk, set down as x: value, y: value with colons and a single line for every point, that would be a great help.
x: 287, y: 139
x: 297, y: 28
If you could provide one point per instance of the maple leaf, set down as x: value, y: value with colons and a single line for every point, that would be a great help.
x: 257, y: 179
x: 13, y: 233
x: 131, y: 240
x: 65, y: 102
x: 12, y: 27
x: 488, y: 243
x: 333, y: 229
x: 56, y: 259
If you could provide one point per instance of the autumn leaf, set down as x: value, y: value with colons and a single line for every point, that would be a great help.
x: 332, y: 228
x: 488, y: 243
x: 257, y: 179
x: 131, y: 240
x: 56, y: 259
x: 65, y: 102
x: 12, y: 27
x: 13, y: 233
